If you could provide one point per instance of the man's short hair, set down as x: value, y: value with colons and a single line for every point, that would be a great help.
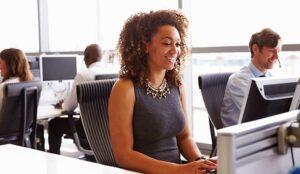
x: 93, y: 52
x: 265, y: 38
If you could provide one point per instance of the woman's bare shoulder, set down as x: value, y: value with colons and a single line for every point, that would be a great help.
x: 124, y: 86
x: 124, y: 83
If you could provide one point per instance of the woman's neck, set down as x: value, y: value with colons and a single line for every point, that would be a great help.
x: 156, y: 79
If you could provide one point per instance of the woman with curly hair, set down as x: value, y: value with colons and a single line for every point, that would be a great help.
x: 148, y: 120
x: 14, y: 68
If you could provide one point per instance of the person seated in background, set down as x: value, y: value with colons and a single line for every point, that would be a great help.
x: 14, y: 68
x: 264, y: 46
x: 60, y: 126
x: 148, y: 121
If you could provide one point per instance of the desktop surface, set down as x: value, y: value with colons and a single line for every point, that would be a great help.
x: 47, y: 111
x: 16, y: 159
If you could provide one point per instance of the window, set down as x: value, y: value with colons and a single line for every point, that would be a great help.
x: 112, y: 17
x: 75, y: 24
x: 72, y: 24
x: 19, y: 25
x: 232, y: 22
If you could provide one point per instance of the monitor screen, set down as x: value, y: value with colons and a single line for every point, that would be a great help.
x: 58, y: 68
x: 34, y: 65
x: 266, y: 97
x: 296, y: 98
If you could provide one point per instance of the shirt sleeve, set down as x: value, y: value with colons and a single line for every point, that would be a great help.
x: 233, y: 100
x: 237, y: 90
x: 71, y: 102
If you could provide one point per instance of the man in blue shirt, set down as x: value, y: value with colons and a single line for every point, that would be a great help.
x: 264, y: 46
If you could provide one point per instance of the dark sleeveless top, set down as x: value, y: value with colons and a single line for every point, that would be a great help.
x: 156, y: 122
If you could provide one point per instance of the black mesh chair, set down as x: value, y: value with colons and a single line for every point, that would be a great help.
x: 19, y: 113
x: 213, y: 89
x: 81, y: 142
x: 93, y: 102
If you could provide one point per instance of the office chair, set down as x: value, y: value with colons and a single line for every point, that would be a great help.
x: 82, y: 142
x: 19, y: 113
x: 106, y: 76
x: 93, y: 102
x: 213, y: 89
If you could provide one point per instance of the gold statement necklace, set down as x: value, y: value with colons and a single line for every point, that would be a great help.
x: 160, y: 92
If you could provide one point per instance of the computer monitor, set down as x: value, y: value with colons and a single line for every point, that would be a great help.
x: 34, y: 65
x: 58, y: 67
x: 252, y: 147
x: 267, y: 96
x: 296, y: 98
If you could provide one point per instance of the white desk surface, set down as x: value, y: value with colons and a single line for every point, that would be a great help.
x: 47, y: 111
x: 15, y: 159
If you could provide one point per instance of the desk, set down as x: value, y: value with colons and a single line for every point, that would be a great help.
x: 47, y: 111
x: 15, y: 159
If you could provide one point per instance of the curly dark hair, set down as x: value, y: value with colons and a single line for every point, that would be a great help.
x: 139, y: 30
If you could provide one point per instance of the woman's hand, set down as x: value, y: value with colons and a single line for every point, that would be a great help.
x: 59, y: 104
x: 197, y: 167
x: 213, y: 159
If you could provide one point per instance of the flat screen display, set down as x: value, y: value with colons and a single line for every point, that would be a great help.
x: 267, y: 97
x: 58, y: 68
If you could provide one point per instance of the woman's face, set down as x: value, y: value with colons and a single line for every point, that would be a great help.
x: 164, y: 48
x: 2, y: 67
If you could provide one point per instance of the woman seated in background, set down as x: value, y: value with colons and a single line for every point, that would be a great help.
x: 14, y: 68
x: 148, y: 120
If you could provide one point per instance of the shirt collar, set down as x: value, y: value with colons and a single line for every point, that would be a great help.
x: 98, y: 63
x: 256, y: 72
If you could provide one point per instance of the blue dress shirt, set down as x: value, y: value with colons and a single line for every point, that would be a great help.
x: 235, y: 92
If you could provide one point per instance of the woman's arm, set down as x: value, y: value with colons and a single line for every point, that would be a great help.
x: 187, y: 146
x: 120, y: 110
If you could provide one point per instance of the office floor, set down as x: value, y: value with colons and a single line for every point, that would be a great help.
x: 68, y: 147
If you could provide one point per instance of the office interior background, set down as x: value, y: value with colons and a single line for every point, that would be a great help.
x: 219, y: 35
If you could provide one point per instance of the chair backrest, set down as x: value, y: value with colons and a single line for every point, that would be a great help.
x: 19, y: 112
x: 106, y: 76
x: 93, y: 102
x: 213, y: 89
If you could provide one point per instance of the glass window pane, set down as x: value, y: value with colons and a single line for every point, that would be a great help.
x: 72, y: 24
x: 77, y: 23
x: 112, y: 16
x: 19, y: 27
x: 232, y: 22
